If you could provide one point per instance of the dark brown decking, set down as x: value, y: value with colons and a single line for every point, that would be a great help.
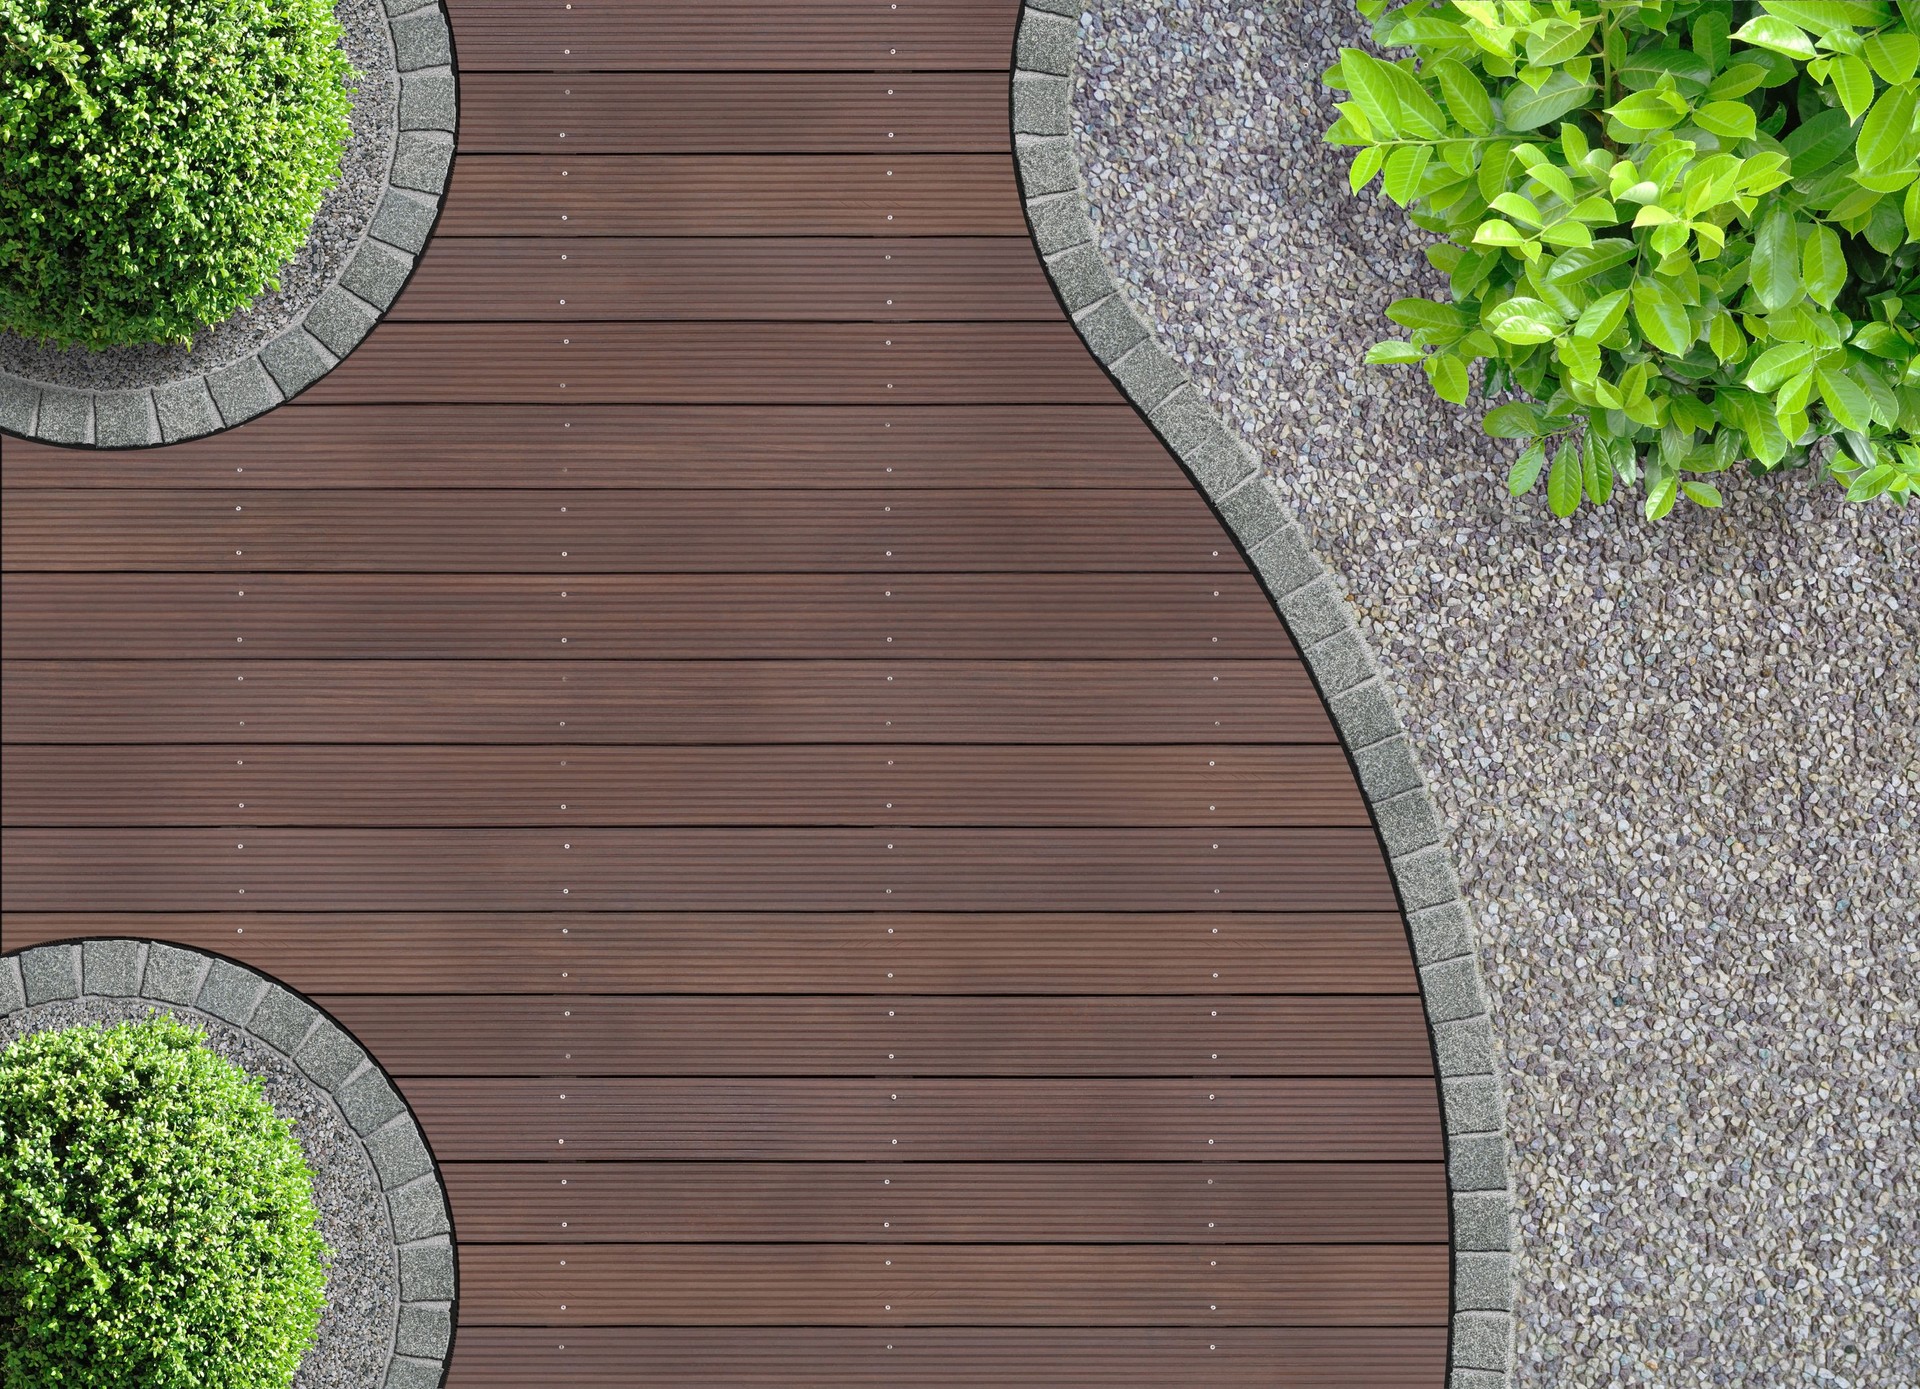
x: 771, y: 753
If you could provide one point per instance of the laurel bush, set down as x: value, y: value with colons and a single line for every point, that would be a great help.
x: 157, y: 1224
x: 160, y: 160
x: 1684, y: 234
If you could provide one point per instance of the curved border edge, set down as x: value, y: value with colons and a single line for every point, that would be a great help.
x: 1319, y: 615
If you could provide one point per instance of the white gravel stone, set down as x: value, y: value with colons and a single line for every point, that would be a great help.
x: 1678, y: 762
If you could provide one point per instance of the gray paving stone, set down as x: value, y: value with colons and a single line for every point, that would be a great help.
x: 1066, y: 7
x: 1477, y: 1379
x: 173, y: 975
x: 1464, y: 1047
x: 329, y: 1056
x: 51, y: 972
x: 1146, y: 375
x: 19, y: 404
x: 378, y: 272
x: 419, y: 1212
x: 125, y: 419
x: 1472, y: 1103
x: 420, y: 40
x: 424, y: 1331
x: 1483, y: 1282
x: 1181, y: 417
x: 1058, y: 222
x: 186, y: 409
x: 1340, y: 662
x: 1482, y: 1221
x: 1046, y: 164
x: 368, y: 1101
x: 1477, y: 1161
x: 1046, y: 43
x: 405, y: 219
x: 1314, y: 611
x: 428, y: 99
x: 1110, y: 328
x: 1285, y: 562
x: 1080, y: 275
x: 66, y: 417
x: 340, y: 320
x: 295, y: 360
x: 1482, y: 1340
x: 283, y: 1020
x: 1386, y: 769
x: 1366, y: 715
x: 398, y: 1154
x: 1452, y: 989
x: 1251, y: 511
x: 426, y: 1273
x: 1425, y: 879
x: 1041, y: 105
x: 1407, y: 822
x: 110, y: 967
x: 230, y: 992
x: 243, y: 390
x: 421, y: 159
x: 13, y: 990
x: 1220, y: 465
x: 405, y: 1373
x: 400, y: 7
x: 1441, y: 933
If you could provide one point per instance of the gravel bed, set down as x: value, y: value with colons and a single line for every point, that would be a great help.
x: 1678, y: 762
x: 338, y: 229
x: 363, y: 1294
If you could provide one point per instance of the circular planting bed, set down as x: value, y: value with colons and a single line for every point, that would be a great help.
x: 207, y: 206
x: 338, y: 1254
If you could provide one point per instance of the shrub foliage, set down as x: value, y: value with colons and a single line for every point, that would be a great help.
x: 157, y: 1225
x: 1681, y: 232
x: 160, y: 160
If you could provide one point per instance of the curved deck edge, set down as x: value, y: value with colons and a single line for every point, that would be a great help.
x: 1316, y: 610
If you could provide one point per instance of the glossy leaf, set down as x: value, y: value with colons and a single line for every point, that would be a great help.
x: 1775, y: 270
x: 1662, y: 317
x: 1823, y: 265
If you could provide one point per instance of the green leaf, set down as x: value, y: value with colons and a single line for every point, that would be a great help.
x: 1372, y: 92
x: 1894, y: 56
x: 1424, y: 313
x: 1823, y: 265
x: 1703, y: 493
x: 1580, y: 357
x: 1495, y: 232
x: 1393, y: 352
x: 1773, y: 33
x: 1775, y: 269
x: 1886, y: 136
x: 1585, y: 262
x: 1709, y: 37
x: 1598, y: 320
x: 1365, y: 165
x: 1564, y: 480
x: 1404, y: 169
x: 1449, y: 377
x: 1844, y: 397
x: 1853, y: 81
x: 1466, y: 98
x: 1660, y: 496
x: 1644, y: 69
x: 1526, y: 110
x: 1522, y: 320
x: 1662, y: 317
x: 1728, y: 342
x: 1526, y: 468
x: 1517, y: 419
x: 1731, y: 120
x: 1818, y: 141
x: 1911, y: 211
x: 1778, y: 363
x: 1596, y: 467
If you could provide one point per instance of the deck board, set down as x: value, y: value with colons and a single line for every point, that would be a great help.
x: 806, y: 800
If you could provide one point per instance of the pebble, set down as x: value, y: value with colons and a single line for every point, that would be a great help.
x: 1678, y: 761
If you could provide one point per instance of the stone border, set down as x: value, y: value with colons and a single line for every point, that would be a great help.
x: 269, y: 1012
x: 1320, y: 617
x: 426, y: 118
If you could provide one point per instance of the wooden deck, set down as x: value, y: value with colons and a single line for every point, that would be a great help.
x: 727, y: 701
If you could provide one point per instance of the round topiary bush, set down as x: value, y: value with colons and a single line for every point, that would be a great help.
x: 160, y: 162
x: 157, y: 1222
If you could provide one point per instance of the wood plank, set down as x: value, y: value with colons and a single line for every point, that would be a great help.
x: 954, y: 1285
x: 716, y: 870
x: 734, y: 113
x: 895, y: 194
x: 1256, y: 952
x: 668, y: 702
x: 732, y: 35
x: 683, y: 532
x: 967, y: 1203
x: 949, y: 1358
x: 305, y: 616
x: 575, y: 446
x: 895, y: 784
x: 1345, y: 1120
x: 888, y: 279
x: 890, y: 1034
x: 719, y: 364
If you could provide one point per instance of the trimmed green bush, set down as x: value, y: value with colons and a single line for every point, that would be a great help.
x: 157, y: 1224
x: 1684, y: 233
x: 160, y: 160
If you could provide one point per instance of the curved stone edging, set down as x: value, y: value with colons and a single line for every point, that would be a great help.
x: 268, y: 1012
x: 1318, y: 614
x: 426, y: 118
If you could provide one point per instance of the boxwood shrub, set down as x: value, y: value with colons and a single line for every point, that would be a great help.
x: 160, y: 160
x: 157, y: 1224
x: 1684, y: 234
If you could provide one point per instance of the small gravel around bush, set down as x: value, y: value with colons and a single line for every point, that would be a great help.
x: 1680, y: 763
